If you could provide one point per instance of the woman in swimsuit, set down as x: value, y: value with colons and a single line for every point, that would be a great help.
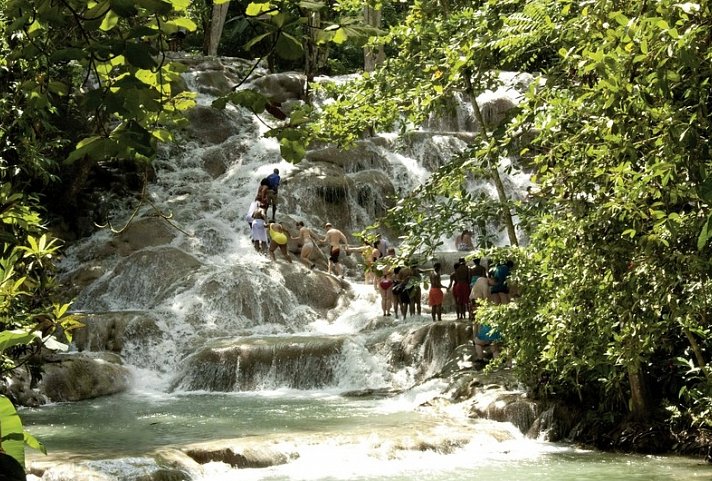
x: 308, y: 242
x: 279, y: 238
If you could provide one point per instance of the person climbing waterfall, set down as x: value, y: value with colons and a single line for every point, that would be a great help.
x: 279, y: 238
x: 273, y: 180
x: 308, y: 241
x: 251, y: 210
x: 334, y: 237
x: 262, y: 196
x: 258, y: 231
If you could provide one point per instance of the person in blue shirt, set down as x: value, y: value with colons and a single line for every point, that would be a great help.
x: 273, y: 185
x: 500, y: 289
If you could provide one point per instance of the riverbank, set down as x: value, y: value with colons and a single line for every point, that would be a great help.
x: 497, y: 394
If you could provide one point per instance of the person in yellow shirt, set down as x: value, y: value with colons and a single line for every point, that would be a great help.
x: 278, y: 238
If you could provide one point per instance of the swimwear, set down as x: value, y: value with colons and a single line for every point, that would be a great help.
x: 259, y: 233
x: 385, y: 284
x: 334, y: 255
x: 435, y: 296
x: 280, y: 238
x: 461, y: 292
x: 487, y: 334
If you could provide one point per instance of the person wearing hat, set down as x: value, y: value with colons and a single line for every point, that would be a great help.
x: 334, y: 237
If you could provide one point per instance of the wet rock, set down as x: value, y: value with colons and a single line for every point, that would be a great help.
x: 134, y: 286
x: 281, y: 87
x: 75, y: 376
x: 209, y: 125
x: 215, y: 162
x: 315, y: 289
x: 109, y: 331
x: 142, y: 233
x: 236, y: 457
x: 243, y: 364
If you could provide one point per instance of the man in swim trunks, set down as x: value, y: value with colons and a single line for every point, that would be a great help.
x: 460, y: 284
x: 435, y: 295
x: 307, y: 239
x: 273, y: 180
x: 334, y: 237
x: 278, y: 238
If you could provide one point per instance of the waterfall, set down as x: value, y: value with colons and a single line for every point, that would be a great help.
x: 185, y: 271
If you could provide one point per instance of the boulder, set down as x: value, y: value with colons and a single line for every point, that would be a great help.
x: 281, y: 87
x: 77, y: 376
x: 209, y: 125
x: 142, y: 233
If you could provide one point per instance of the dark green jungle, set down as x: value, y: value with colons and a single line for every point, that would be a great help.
x: 615, y: 267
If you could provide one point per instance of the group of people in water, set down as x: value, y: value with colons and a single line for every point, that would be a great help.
x: 399, y: 286
x: 268, y: 236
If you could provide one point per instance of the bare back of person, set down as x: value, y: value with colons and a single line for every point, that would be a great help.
x: 334, y: 237
x: 308, y: 242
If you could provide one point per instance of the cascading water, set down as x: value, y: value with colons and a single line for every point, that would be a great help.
x: 262, y: 370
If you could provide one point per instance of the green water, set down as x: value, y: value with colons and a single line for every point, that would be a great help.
x: 336, y: 438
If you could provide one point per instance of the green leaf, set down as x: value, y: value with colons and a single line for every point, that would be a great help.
x: 139, y: 55
x: 16, y: 337
x: 256, y: 8
x: 58, y: 87
x: 111, y: 19
x: 13, y: 439
x: 253, y: 100
x: 289, y: 47
x: 340, y: 36
x: 185, y: 23
x: 292, y: 151
x: 67, y: 54
x: 706, y: 190
x: 255, y: 40
x: 162, y: 134
x: 34, y: 443
x: 156, y: 6
x: 124, y: 8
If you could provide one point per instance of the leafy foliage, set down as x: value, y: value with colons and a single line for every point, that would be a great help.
x: 615, y: 280
x: 82, y: 83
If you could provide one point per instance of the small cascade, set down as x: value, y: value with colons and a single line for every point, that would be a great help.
x: 260, y: 363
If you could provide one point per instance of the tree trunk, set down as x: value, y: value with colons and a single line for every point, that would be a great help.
x: 311, y: 49
x: 217, y: 22
x: 372, y: 58
x: 494, y: 172
x: 699, y: 356
x: 638, y: 396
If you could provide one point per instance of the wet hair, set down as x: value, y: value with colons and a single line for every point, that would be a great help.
x: 264, y: 181
x: 510, y: 263
x: 300, y: 224
x: 276, y: 171
x: 328, y: 224
x: 436, y: 266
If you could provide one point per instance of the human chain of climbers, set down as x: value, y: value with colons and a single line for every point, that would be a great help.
x: 399, y: 286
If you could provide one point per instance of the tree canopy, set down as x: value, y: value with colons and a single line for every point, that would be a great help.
x: 615, y: 279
